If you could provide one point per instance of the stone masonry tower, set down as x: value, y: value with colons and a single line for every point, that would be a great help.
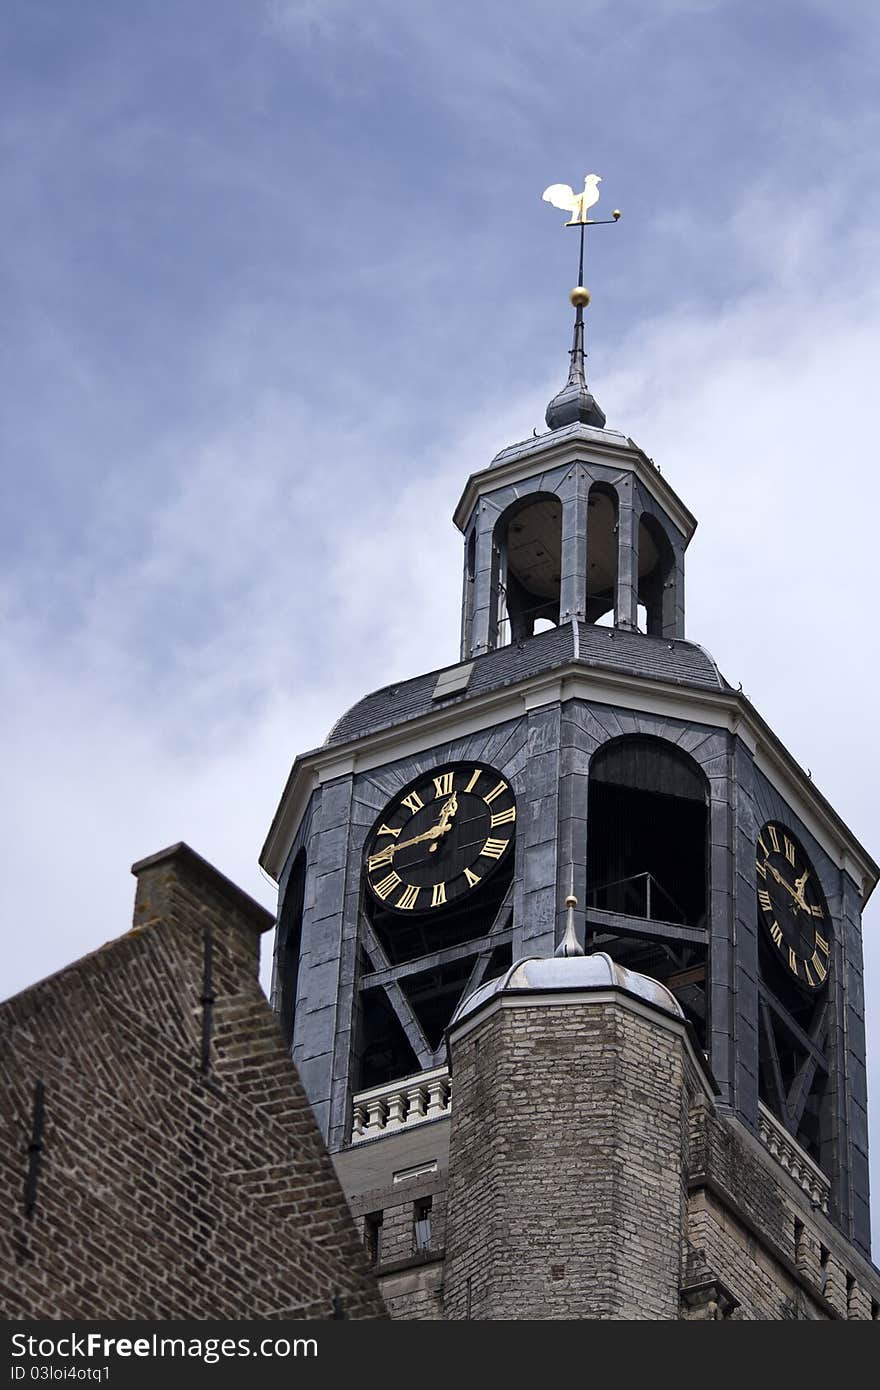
x: 588, y: 1216
x: 581, y: 745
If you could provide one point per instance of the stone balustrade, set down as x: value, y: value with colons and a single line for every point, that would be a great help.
x: 798, y: 1164
x: 401, y: 1104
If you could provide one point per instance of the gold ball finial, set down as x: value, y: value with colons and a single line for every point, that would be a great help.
x: 571, y: 901
x: 580, y: 296
x: 616, y: 214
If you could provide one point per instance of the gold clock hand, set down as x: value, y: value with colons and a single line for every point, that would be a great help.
x: 430, y: 834
x: 799, y: 888
x: 446, y: 814
x: 386, y: 855
x: 447, y: 811
x: 787, y: 886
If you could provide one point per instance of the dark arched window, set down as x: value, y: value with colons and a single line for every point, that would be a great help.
x: 470, y: 574
x: 290, y: 944
x: 647, y: 831
x: 656, y: 563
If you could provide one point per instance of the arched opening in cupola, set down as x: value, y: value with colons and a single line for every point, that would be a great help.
x: 602, y: 527
x: 470, y: 574
x: 528, y: 546
x: 656, y: 565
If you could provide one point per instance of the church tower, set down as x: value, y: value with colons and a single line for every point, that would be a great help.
x: 582, y: 751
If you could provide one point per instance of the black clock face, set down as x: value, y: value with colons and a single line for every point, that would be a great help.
x: 441, y: 838
x: 792, y: 907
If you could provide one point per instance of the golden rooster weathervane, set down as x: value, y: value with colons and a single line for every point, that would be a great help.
x: 575, y: 402
x: 562, y: 195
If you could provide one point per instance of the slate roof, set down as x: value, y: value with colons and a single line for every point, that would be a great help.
x: 604, y: 648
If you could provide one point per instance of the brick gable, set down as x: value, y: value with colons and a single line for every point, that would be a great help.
x: 165, y: 1191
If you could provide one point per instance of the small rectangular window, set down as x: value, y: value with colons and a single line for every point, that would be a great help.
x: 824, y: 1256
x: 422, y: 1224
x: 423, y: 1170
x: 373, y: 1237
x: 453, y: 681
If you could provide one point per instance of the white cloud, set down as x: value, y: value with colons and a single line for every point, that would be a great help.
x: 232, y: 575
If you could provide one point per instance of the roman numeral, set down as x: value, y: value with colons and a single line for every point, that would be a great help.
x: 439, y: 895
x: 764, y: 900
x: 496, y: 791
x: 493, y: 849
x: 387, y: 830
x: 471, y: 877
x: 789, y: 850
x: 408, y: 897
x: 388, y: 885
x: 817, y: 911
x: 384, y: 856
x: 414, y: 802
x: 776, y: 933
x: 792, y: 961
x: 774, y: 838
x: 478, y: 772
x: 823, y: 944
x: 820, y: 966
x: 810, y: 980
x: 503, y: 817
x: 762, y: 868
x: 764, y: 850
x: 444, y: 784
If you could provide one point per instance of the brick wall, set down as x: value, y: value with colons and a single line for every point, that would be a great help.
x: 751, y: 1227
x: 410, y: 1276
x: 165, y: 1191
x: 592, y: 1176
x: 566, y: 1187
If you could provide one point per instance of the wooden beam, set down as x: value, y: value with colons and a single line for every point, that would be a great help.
x: 410, y: 1025
x: 775, y: 1067
x: 803, y: 1039
x: 619, y: 924
x: 474, y: 980
x: 696, y: 976
x: 397, y: 999
x: 503, y: 912
x: 800, y: 1088
x: 445, y: 957
x: 372, y: 945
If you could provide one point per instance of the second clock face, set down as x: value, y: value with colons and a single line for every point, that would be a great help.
x: 791, y: 904
x: 440, y: 838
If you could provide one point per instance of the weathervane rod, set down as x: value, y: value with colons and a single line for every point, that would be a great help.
x: 575, y: 402
x: 591, y: 222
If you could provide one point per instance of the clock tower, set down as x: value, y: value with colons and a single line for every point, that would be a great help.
x: 582, y: 750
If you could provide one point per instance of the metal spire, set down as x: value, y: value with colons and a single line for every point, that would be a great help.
x: 575, y: 402
x: 569, y: 945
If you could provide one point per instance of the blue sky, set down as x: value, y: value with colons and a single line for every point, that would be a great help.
x: 277, y: 277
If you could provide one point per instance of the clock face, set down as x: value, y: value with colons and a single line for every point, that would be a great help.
x: 791, y: 904
x: 441, y: 838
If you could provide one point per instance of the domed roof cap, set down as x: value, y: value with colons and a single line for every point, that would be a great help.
x: 557, y: 974
x: 575, y: 403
